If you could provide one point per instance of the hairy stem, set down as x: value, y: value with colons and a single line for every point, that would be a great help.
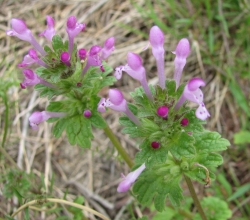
x: 61, y: 201
x: 118, y: 146
x: 195, y: 198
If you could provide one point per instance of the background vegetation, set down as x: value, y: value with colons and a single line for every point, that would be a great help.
x: 43, y: 166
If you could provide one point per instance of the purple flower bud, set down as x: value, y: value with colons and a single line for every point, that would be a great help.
x: 21, y: 31
x: 156, y: 38
x: 163, y: 111
x: 38, y: 117
x: 82, y: 53
x: 155, y: 144
x: 65, y: 58
x: 130, y: 179
x: 193, y: 93
x: 184, y: 122
x: 108, y: 48
x: 50, y: 31
x: 87, y: 113
x: 182, y: 51
x: 73, y: 28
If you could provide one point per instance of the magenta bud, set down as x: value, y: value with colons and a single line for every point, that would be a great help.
x: 163, y: 111
x: 65, y: 58
x: 82, y: 53
x: 184, y: 122
x: 79, y: 84
x: 87, y: 113
x: 155, y: 144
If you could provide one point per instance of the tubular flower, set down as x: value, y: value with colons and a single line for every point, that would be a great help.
x: 117, y: 102
x: 50, y: 31
x: 73, y: 28
x: 156, y: 38
x: 32, y: 79
x: 38, y: 117
x: 193, y: 93
x: 182, y: 51
x: 27, y: 60
x: 21, y: 31
x: 136, y: 70
x: 128, y: 180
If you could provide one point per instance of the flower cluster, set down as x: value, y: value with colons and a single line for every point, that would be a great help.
x: 59, y: 62
x: 135, y: 69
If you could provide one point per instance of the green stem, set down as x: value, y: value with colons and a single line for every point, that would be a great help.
x: 118, y: 146
x: 195, y: 198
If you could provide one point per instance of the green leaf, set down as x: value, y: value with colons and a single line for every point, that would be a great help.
x: 97, y: 120
x: 151, y: 156
x: 210, y: 160
x: 57, y: 43
x: 210, y: 142
x: 242, y: 137
x: 150, y: 185
x: 214, y: 208
x: 181, y: 145
x: 79, y: 131
x: 59, y: 127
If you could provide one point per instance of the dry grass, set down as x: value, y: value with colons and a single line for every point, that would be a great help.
x: 93, y: 174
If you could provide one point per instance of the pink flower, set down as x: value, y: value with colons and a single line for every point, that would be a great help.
x: 21, y: 31
x: 193, y: 93
x: 156, y: 38
x: 38, y: 117
x: 128, y: 180
x: 117, y: 102
x: 182, y: 51
x: 73, y: 28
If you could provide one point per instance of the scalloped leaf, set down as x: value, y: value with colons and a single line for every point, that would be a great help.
x: 210, y: 142
x: 150, y: 185
x: 181, y: 145
x: 79, y: 131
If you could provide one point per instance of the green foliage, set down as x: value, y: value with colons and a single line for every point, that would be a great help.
x: 80, y: 92
x: 242, y: 137
x: 215, y: 208
x: 17, y: 183
x: 189, y: 150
